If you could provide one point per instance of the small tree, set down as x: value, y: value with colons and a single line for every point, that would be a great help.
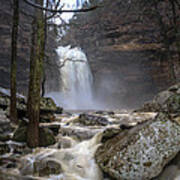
x: 36, y: 61
x: 13, y: 110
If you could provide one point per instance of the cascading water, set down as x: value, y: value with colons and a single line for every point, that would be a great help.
x: 76, y: 78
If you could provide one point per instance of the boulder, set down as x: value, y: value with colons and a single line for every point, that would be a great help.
x: 46, y: 167
x: 142, y: 151
x: 46, y: 136
x: 4, y: 102
x: 79, y: 134
x: 47, y: 117
x: 173, y: 104
x: 4, y: 148
x: 54, y: 127
x: 20, y: 135
x: 48, y: 105
x: 5, y: 137
x: 92, y: 120
x: 5, y: 125
x: 168, y: 100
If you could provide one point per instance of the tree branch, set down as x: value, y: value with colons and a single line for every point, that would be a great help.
x: 59, y: 10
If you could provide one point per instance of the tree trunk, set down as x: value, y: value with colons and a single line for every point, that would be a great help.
x: 36, y: 61
x: 45, y: 40
x: 13, y: 110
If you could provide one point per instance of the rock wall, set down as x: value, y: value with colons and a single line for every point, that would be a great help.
x: 23, y: 54
x: 125, y: 55
x: 5, y: 43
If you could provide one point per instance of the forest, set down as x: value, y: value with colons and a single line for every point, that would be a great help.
x: 89, y: 89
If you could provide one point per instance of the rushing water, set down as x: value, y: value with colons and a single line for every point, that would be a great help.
x: 73, y: 162
x: 76, y: 79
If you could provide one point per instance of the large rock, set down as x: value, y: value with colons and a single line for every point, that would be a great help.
x: 141, y: 152
x: 46, y: 136
x: 91, y: 120
x: 5, y: 125
x: 168, y: 100
x: 4, y: 148
x: 47, y: 106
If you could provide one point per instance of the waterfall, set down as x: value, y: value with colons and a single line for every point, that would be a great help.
x: 76, y: 79
x: 75, y: 74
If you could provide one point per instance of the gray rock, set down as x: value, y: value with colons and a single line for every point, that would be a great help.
x: 46, y: 136
x: 78, y: 133
x: 4, y: 137
x: 168, y: 101
x: 91, y: 120
x: 4, y: 148
x: 141, y: 152
x: 46, y: 167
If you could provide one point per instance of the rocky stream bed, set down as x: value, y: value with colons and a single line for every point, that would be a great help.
x: 141, y: 144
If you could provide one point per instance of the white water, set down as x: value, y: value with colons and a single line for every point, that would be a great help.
x: 77, y: 162
x: 76, y: 79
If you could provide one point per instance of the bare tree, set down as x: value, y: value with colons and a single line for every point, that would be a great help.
x: 13, y: 110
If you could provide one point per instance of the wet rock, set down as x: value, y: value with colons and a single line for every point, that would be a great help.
x: 4, y: 102
x: 52, y: 126
x: 47, y: 117
x: 46, y: 167
x: 8, y: 162
x: 20, y: 135
x: 45, y: 135
x: 168, y: 100
x: 4, y: 148
x: 175, y: 88
x: 18, y: 148
x: 48, y: 105
x: 65, y: 142
x: 141, y: 152
x: 4, y: 137
x: 78, y: 133
x: 110, y: 133
x: 5, y: 125
x: 105, y: 112
x: 173, y: 104
x: 91, y: 120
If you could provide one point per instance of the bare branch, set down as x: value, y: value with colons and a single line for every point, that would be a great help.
x: 59, y: 10
x: 56, y: 7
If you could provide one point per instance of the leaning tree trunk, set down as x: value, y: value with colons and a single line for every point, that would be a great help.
x: 13, y: 110
x: 36, y: 61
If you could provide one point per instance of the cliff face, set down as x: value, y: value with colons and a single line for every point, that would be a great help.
x: 24, y: 44
x: 5, y: 44
x: 128, y: 61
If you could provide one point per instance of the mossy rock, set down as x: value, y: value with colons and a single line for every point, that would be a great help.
x: 20, y: 134
x: 4, y: 102
x: 4, y: 148
x: 173, y: 103
x: 4, y: 137
x: 46, y: 136
x: 46, y: 167
x: 47, y: 103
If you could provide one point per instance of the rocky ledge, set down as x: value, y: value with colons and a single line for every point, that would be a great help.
x: 142, y: 150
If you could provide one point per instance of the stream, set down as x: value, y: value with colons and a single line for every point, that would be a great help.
x: 72, y: 157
